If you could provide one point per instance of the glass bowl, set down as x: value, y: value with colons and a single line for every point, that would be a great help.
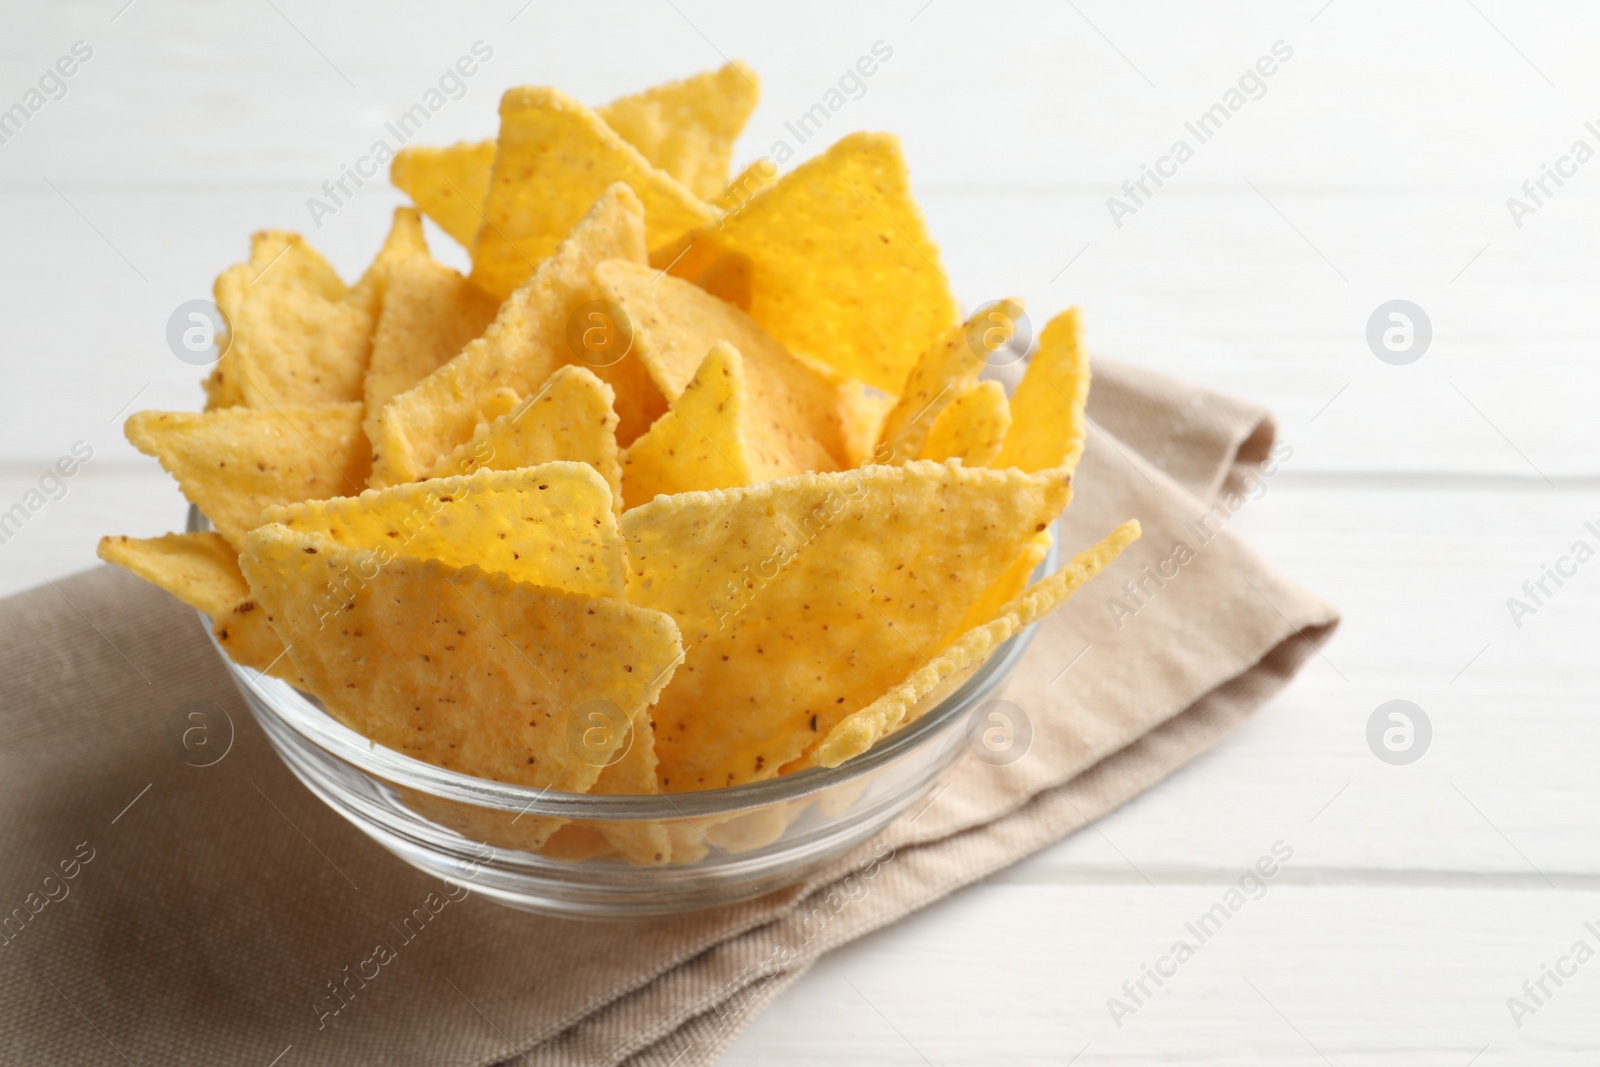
x: 616, y: 857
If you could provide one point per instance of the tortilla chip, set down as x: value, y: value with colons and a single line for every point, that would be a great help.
x: 862, y: 729
x: 1047, y: 421
x: 972, y: 428
x: 705, y: 442
x: 836, y: 261
x: 519, y: 351
x: 570, y: 417
x: 690, y: 256
x: 449, y: 185
x: 469, y: 671
x: 297, y: 335
x: 743, y: 187
x: 803, y: 599
x: 577, y: 841
x: 233, y: 462
x: 555, y: 157
x: 943, y: 369
x: 550, y: 525
x: 645, y: 844
x: 246, y: 635
x: 797, y: 406
x: 429, y: 314
x: 202, y: 570
x: 404, y: 242
x: 1015, y: 579
x: 865, y: 409
x: 687, y: 128
x: 748, y: 830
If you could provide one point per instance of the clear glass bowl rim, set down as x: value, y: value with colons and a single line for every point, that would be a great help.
x: 334, y: 738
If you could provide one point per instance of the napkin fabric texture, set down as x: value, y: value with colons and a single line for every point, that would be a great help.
x: 153, y: 910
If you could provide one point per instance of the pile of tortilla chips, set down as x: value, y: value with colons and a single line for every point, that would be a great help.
x: 692, y: 482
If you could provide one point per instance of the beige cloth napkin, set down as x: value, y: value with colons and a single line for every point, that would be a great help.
x: 156, y: 911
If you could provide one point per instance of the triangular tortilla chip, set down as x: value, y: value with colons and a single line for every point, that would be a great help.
x: 404, y: 242
x: 550, y: 525
x: 692, y: 257
x: 233, y: 462
x: 1048, y: 426
x: 578, y: 841
x: 466, y: 670
x: 1013, y: 581
x: 526, y: 343
x: 449, y: 184
x: 941, y: 372
x: 297, y: 335
x: 972, y: 428
x: 706, y: 441
x: 835, y: 261
x: 797, y: 406
x: 803, y: 599
x: 743, y: 187
x: 570, y: 417
x: 864, y: 410
x: 202, y: 570
x: 555, y: 157
x: 429, y: 314
x: 246, y: 635
x: 277, y: 261
x: 687, y: 128
x: 933, y: 680
x: 647, y: 844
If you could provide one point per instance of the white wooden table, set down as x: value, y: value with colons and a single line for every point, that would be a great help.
x: 1376, y: 166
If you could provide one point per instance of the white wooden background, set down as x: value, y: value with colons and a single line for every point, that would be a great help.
x: 1419, y: 497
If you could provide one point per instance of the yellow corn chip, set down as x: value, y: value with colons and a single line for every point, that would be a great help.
x: 570, y: 417
x: 803, y: 599
x: 549, y: 525
x: 298, y: 336
x: 687, y: 128
x: 864, y: 410
x: 601, y: 335
x: 246, y: 635
x: 555, y: 157
x: 646, y: 844
x: 405, y: 242
x: 519, y: 351
x: 429, y: 314
x: 712, y: 269
x: 706, y: 441
x: 862, y: 729
x: 202, y: 570
x: 837, y: 262
x: 233, y: 462
x: 294, y: 264
x: 747, y: 831
x: 972, y: 428
x: 1047, y: 420
x: 469, y: 671
x: 798, y: 408
x: 577, y: 841
x: 449, y: 184
x: 743, y: 187
x: 1013, y: 581
x: 943, y: 369
x: 284, y: 259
